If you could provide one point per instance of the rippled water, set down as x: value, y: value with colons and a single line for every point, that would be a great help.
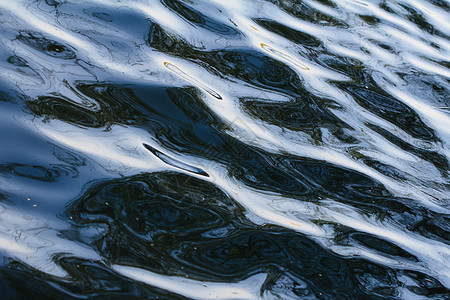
x: 225, y: 149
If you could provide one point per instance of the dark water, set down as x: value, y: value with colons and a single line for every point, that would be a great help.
x: 224, y: 149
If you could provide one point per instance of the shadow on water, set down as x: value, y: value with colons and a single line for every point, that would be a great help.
x: 46, y: 46
x: 179, y: 223
x: 86, y: 279
x: 198, y: 19
x: 306, y: 112
x: 176, y: 224
x: 181, y: 121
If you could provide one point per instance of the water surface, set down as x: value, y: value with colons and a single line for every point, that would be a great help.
x: 225, y: 149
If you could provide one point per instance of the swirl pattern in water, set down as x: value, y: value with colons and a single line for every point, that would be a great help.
x: 239, y: 149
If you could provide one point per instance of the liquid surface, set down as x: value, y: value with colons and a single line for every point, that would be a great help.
x: 225, y: 149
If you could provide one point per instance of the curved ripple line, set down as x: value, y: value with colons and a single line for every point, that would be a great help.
x: 284, y: 56
x: 246, y: 289
x: 185, y: 76
x: 174, y: 162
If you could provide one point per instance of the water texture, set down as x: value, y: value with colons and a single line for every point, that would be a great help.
x: 235, y: 149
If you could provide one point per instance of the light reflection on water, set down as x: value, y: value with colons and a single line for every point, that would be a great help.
x: 237, y: 149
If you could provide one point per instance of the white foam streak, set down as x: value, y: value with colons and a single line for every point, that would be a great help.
x: 249, y: 288
x: 119, y: 150
x: 438, y: 119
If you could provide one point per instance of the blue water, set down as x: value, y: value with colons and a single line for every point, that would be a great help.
x: 224, y: 149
